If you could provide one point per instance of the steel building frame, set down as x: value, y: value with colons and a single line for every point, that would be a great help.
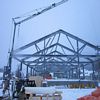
x: 59, y: 52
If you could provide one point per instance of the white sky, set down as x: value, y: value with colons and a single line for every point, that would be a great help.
x: 78, y: 17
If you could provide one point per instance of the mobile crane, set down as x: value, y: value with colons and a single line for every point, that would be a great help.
x: 17, y: 21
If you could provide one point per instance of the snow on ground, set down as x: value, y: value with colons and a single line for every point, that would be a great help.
x: 73, y: 94
x: 70, y: 94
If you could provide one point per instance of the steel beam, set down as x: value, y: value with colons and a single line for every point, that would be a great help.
x: 80, y: 40
x: 41, y: 55
x: 35, y: 42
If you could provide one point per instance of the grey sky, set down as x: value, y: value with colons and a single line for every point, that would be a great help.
x: 78, y: 17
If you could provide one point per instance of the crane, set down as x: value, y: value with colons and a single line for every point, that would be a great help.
x: 17, y: 21
x: 39, y: 12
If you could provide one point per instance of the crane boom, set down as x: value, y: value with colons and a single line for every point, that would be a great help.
x: 7, y: 69
x: 22, y: 20
x: 40, y: 12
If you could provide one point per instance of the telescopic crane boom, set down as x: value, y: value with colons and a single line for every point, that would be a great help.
x: 39, y: 12
x: 20, y: 20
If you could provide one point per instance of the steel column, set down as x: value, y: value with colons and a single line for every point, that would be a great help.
x: 27, y: 68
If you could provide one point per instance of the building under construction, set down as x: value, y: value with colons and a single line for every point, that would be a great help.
x: 60, y: 53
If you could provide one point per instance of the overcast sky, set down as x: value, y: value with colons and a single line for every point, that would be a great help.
x: 78, y: 17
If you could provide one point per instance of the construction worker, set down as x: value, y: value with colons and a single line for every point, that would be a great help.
x: 19, y: 84
x: 21, y: 95
x: 5, y: 85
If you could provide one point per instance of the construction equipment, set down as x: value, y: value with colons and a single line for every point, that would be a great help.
x: 38, y: 12
x: 17, y: 21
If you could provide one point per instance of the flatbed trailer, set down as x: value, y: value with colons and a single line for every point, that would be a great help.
x: 42, y: 93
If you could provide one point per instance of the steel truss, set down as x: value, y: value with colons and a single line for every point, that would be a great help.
x: 60, y: 52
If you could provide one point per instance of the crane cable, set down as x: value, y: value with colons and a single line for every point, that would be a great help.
x: 18, y: 30
x: 10, y: 43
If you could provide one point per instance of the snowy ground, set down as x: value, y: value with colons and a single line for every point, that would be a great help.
x: 70, y: 94
x: 73, y: 94
x: 67, y: 94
